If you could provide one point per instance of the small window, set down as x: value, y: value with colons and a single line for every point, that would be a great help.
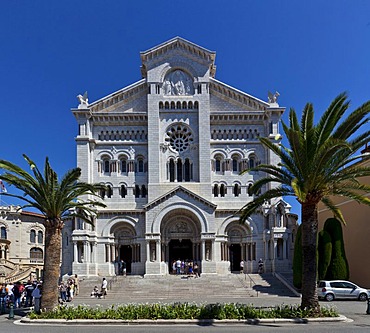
x: 33, y: 236
x: 109, y: 191
x: 40, y: 237
x: 106, y: 166
x: 235, y: 165
x: 218, y: 165
x: 143, y: 191
x: 236, y: 190
x: 252, y: 162
x: 222, y: 190
x: 215, y: 190
x: 123, y: 191
x: 123, y: 166
x: 140, y: 165
x: 137, y: 191
x: 3, y: 234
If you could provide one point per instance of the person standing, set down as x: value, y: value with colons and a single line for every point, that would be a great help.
x: 77, y: 285
x: 36, y: 294
x: 29, y: 287
x: 17, y: 295
x: 241, y: 266
x: 104, y: 286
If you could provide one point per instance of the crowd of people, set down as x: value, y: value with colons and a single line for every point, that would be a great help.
x: 20, y: 294
x: 185, y: 267
x: 68, y: 289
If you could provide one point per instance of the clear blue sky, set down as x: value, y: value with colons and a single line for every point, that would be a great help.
x: 53, y: 50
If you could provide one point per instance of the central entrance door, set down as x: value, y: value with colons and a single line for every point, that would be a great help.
x: 182, y: 250
x: 126, y: 256
x: 235, y: 257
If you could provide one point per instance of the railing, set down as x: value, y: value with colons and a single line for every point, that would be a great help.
x: 8, y: 263
x: 252, y: 283
x: 111, y: 281
x: 20, y: 275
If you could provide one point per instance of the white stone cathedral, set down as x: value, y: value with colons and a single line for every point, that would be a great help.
x: 170, y: 149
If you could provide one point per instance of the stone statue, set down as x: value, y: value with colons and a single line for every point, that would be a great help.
x: 178, y: 83
x: 84, y: 101
x: 272, y: 98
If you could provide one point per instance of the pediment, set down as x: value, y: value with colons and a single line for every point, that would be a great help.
x: 177, y: 191
x: 181, y: 47
x: 127, y: 99
x: 233, y: 99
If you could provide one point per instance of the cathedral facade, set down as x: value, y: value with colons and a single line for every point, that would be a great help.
x: 170, y: 149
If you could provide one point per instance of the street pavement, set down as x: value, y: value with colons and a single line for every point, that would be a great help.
x: 355, y: 311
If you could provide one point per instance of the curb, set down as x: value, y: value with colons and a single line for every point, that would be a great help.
x: 200, y: 322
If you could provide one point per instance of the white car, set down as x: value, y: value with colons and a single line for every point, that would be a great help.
x: 330, y: 290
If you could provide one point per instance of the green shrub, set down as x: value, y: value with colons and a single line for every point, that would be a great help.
x: 324, y: 250
x: 338, y: 268
x: 180, y: 311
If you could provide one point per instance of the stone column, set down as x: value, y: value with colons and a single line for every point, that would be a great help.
x: 75, y: 252
x: 158, y: 250
x: 148, y: 251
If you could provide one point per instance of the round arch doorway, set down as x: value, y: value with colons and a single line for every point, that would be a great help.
x: 180, y: 249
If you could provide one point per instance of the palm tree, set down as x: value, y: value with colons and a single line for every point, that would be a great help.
x: 56, y: 201
x: 320, y: 163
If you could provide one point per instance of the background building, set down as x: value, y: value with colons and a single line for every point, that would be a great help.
x: 355, y: 233
x: 170, y: 149
x: 21, y: 244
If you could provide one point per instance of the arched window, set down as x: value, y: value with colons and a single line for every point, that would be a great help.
x: 124, y: 166
x: 249, y: 189
x: 178, y: 105
x: 109, y: 191
x: 187, y: 170
x: 222, y: 190
x: 40, y: 237
x: 252, y: 162
x: 143, y: 191
x: 102, y: 193
x: 137, y: 191
x: 36, y: 254
x: 218, y: 163
x: 179, y: 170
x: 140, y: 165
x: 33, y: 236
x: 215, y: 190
x: 235, y: 164
x: 236, y: 190
x: 123, y: 191
x: 3, y: 234
x: 106, y: 166
x: 172, y: 170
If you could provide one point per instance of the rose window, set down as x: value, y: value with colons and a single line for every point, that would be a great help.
x: 179, y: 137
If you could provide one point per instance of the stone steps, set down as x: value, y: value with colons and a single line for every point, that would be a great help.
x: 128, y: 289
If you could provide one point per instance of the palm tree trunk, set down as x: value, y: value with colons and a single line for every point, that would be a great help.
x: 53, y: 241
x: 309, y: 254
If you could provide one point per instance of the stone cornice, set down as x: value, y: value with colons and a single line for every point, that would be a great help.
x: 171, y: 193
x: 237, y: 117
x: 119, y: 119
